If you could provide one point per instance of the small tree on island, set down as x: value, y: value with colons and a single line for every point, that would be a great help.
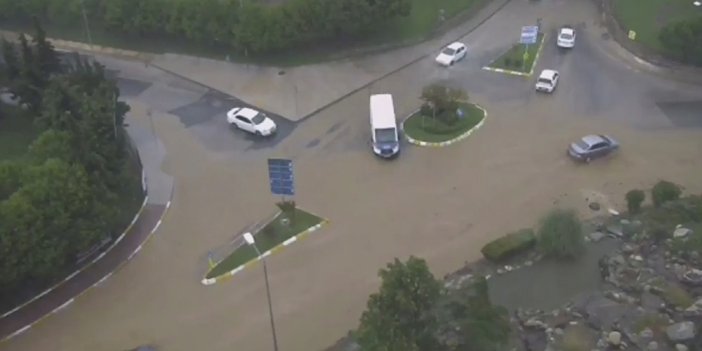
x: 561, y: 234
x: 442, y: 102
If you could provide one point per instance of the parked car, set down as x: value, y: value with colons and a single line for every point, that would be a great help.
x: 592, y: 146
x: 547, y: 81
x: 252, y: 121
x: 451, y: 54
x: 566, y: 37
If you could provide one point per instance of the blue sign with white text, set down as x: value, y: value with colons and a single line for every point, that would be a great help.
x: 280, y: 175
x: 529, y: 35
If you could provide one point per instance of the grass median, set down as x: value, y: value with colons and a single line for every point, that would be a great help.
x: 271, y: 235
x: 516, y: 60
x: 434, y: 130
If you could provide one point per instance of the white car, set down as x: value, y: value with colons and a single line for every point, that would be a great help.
x: 250, y: 120
x: 451, y: 54
x: 566, y: 38
x: 548, y: 80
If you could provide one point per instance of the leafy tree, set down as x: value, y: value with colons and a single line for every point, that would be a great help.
x: 11, y: 67
x: 561, y: 234
x: 469, y: 318
x: 10, y: 178
x: 443, y: 101
x: 400, y: 316
x: 665, y: 191
x: 47, y: 59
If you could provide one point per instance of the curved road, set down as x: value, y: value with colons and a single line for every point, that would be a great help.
x: 442, y: 205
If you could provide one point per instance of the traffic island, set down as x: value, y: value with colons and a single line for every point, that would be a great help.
x: 423, y: 129
x: 519, y: 60
x: 283, y: 230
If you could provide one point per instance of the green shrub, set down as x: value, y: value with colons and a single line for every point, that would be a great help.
x: 508, y: 62
x: 517, y: 63
x: 509, y: 245
x: 634, y: 199
x: 561, y: 234
x: 682, y: 40
x: 665, y: 191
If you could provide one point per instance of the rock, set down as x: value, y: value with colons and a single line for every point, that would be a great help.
x: 681, y: 232
x: 647, y: 333
x: 535, y: 323
x: 650, y: 301
x: 637, y: 258
x: 614, y: 338
x: 628, y: 248
x: 535, y: 340
x: 624, y: 222
x: 602, y: 312
x: 596, y: 236
x: 594, y: 206
x: 680, y: 332
x: 528, y: 263
x: 500, y: 271
x: 695, y: 310
x: 652, y: 346
x: 681, y: 347
x: 692, y: 277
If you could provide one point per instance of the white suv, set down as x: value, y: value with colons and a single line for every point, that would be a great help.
x: 548, y: 79
x: 566, y: 38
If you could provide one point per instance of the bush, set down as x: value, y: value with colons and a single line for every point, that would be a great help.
x: 517, y: 63
x: 634, y: 199
x: 665, y: 191
x: 682, y: 40
x: 561, y: 234
x: 509, y: 245
x: 508, y: 62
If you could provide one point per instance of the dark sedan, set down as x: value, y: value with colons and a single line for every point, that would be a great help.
x: 592, y: 146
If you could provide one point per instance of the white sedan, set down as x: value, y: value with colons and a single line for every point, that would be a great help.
x: 451, y: 54
x: 547, y: 81
x: 566, y: 38
x: 250, y: 120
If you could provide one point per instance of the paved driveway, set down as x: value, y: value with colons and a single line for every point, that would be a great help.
x: 440, y: 204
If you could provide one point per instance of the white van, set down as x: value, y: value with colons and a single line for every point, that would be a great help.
x: 386, y: 142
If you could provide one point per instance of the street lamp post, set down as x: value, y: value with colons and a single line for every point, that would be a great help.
x: 249, y: 238
x: 85, y: 23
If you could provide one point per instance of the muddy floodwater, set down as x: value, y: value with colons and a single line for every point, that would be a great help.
x: 549, y: 284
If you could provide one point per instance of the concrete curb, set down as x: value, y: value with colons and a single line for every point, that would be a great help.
x: 517, y: 73
x: 295, y: 238
x: 103, y: 279
x: 447, y: 142
x: 96, y: 259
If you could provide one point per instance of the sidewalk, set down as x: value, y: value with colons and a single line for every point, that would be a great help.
x: 298, y: 92
x: 159, y: 188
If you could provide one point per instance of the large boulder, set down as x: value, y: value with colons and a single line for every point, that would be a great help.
x: 681, y: 332
x: 509, y: 245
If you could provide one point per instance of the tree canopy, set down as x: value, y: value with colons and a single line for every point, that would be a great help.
x: 413, y: 311
x: 62, y: 198
x: 243, y: 25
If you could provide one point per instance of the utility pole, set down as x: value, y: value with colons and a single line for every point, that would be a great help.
x: 85, y: 23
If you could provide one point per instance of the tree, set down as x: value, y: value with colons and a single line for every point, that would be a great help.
x: 47, y: 59
x: 561, y: 234
x: 665, y: 191
x: 11, y: 67
x: 634, y: 199
x: 400, y: 316
x: 469, y: 318
x: 682, y: 39
x: 30, y: 83
x: 443, y: 101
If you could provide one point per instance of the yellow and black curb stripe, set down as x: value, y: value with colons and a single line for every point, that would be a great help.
x: 447, y: 142
x: 518, y: 73
x: 295, y: 238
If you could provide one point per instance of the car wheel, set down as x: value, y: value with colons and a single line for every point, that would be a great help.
x: 451, y: 64
x: 258, y: 134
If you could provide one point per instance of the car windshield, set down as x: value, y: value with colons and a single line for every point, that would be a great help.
x: 566, y: 36
x: 583, y: 145
x: 448, y: 51
x: 258, y: 118
x: 385, y: 135
x: 544, y: 81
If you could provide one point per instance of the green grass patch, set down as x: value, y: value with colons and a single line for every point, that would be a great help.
x: 509, y: 245
x: 17, y: 131
x: 513, y: 59
x: 429, y: 129
x: 271, y: 235
x: 648, y: 17
x: 422, y: 22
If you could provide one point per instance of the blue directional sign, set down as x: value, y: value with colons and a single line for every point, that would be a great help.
x: 280, y: 175
x: 529, y: 34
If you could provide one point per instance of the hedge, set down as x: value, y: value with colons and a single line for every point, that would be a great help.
x: 509, y: 245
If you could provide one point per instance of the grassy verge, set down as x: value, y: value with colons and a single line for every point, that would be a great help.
x: 17, y: 131
x: 425, y: 128
x: 513, y: 59
x: 271, y: 235
x: 422, y: 22
x: 648, y: 17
